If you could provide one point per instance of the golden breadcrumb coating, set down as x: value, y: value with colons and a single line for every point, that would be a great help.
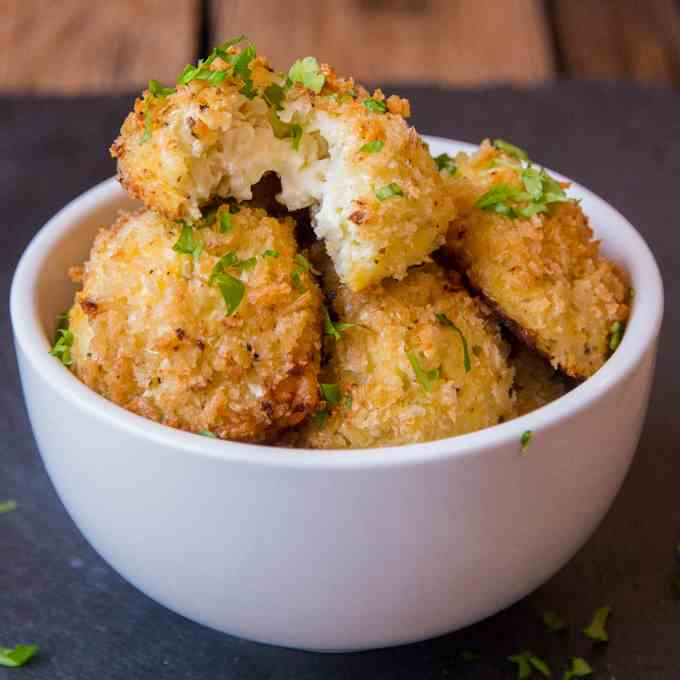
x: 386, y: 400
x: 542, y: 273
x: 375, y: 194
x: 152, y: 332
x: 536, y: 382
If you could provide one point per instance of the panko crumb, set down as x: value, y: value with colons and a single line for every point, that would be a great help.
x: 543, y: 274
x: 379, y: 208
x: 400, y: 366
x: 152, y: 333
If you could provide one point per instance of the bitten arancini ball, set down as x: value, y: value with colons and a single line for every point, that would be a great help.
x: 528, y: 248
x: 213, y: 330
x: 375, y: 195
x: 410, y: 361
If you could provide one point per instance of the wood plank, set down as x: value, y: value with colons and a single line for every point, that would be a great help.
x: 72, y: 46
x: 459, y: 42
x: 620, y: 38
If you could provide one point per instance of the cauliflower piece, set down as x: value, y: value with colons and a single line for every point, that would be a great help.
x: 529, y: 250
x: 214, y: 330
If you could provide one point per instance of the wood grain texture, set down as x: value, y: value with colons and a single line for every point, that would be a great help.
x: 621, y: 38
x: 457, y: 42
x: 73, y: 46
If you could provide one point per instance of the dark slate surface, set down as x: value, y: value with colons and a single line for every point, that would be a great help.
x: 622, y: 142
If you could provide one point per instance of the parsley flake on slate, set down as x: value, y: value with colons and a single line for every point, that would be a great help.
x: 616, y: 335
x: 553, y: 622
x: 596, y: 630
x: 469, y: 656
x: 375, y: 105
x: 580, y: 668
x: 207, y: 433
x: 372, y: 147
x: 425, y: 378
x: 445, y: 162
x: 7, y: 506
x: 330, y: 392
x: 389, y: 191
x: 270, y: 253
x: 13, y: 658
x: 511, y: 150
x: 62, y: 346
x: 526, y: 663
x: 445, y: 321
x: 307, y: 72
x: 187, y: 244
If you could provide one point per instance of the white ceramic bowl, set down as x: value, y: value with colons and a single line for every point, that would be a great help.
x: 331, y: 550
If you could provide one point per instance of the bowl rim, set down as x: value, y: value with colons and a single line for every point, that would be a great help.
x: 30, y: 336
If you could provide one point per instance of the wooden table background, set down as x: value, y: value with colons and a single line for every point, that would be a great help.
x: 87, y: 46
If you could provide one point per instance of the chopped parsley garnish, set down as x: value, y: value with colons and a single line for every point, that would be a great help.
x: 270, y: 253
x: 320, y: 417
x: 273, y: 95
x: 230, y: 260
x: 511, y: 150
x: 295, y: 135
x: 187, y: 243
x: 148, y: 121
x: 616, y: 334
x: 425, y: 378
x: 242, y: 69
x: 526, y: 663
x: 303, y: 262
x: 201, y: 73
x: 375, y: 105
x: 7, y: 506
x: 580, y: 668
x: 445, y: 321
x: 445, y: 162
x: 553, y: 622
x: 372, y: 147
x: 157, y: 90
x: 538, y: 192
x: 307, y: 72
x: 207, y: 433
x: 330, y: 392
x: 62, y: 346
x: 13, y: 658
x: 525, y: 440
x: 334, y: 329
x: 297, y: 280
x: 389, y: 191
x: 232, y: 290
x: 222, y: 50
x: 596, y: 630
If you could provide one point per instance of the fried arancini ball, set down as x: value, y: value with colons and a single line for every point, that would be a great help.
x: 542, y: 271
x: 536, y: 382
x: 419, y: 360
x: 224, y: 341
x: 375, y: 193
